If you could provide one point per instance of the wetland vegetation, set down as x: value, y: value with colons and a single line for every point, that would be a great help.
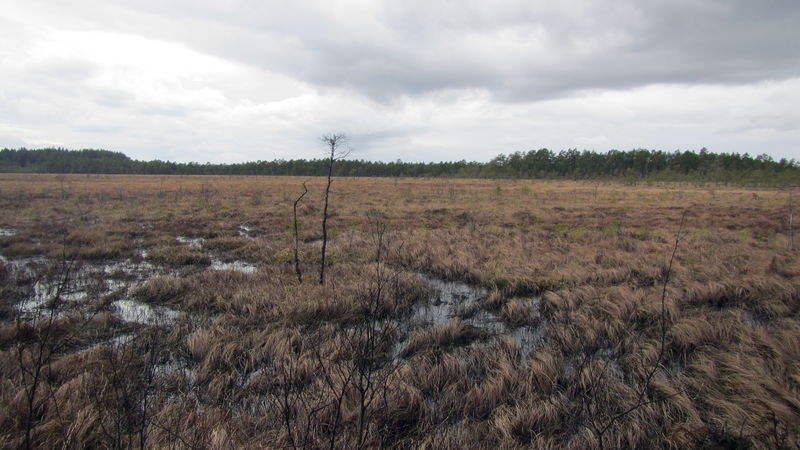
x: 165, y: 311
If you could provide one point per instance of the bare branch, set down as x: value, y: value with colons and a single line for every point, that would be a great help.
x: 334, y: 141
x: 296, y: 237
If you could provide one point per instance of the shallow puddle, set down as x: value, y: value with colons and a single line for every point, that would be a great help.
x: 450, y: 299
x: 122, y: 339
x: 195, y: 243
x: 137, y: 312
x: 43, y: 291
x: 88, y: 282
x: 238, y: 266
x: 172, y: 367
x: 244, y: 231
x: 528, y: 338
x: 84, y: 283
x: 25, y: 265
x: 454, y: 299
x: 133, y: 272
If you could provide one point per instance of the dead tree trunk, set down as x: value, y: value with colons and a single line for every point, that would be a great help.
x: 334, y: 143
x: 296, y: 234
x: 325, y: 221
x: 791, y: 223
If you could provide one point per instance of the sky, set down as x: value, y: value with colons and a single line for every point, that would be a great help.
x: 245, y: 80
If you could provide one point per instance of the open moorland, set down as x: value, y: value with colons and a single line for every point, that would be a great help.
x: 167, y: 312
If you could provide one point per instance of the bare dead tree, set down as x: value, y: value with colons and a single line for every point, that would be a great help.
x: 296, y: 235
x: 335, y: 143
x: 791, y: 222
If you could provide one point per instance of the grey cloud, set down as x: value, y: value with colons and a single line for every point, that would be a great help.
x: 67, y: 70
x: 529, y: 52
x: 421, y: 47
x: 382, y: 138
x: 377, y: 58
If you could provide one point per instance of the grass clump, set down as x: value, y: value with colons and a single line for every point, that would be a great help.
x: 177, y: 256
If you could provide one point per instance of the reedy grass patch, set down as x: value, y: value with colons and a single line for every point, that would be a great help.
x: 592, y: 255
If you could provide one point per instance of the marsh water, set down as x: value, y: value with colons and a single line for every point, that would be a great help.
x: 91, y: 283
x: 459, y: 301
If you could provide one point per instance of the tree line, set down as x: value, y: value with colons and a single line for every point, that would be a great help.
x: 631, y: 165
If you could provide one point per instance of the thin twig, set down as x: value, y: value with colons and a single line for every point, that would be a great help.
x: 662, y: 346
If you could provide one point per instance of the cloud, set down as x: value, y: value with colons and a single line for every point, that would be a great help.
x: 516, y: 50
x: 591, y: 142
x: 224, y: 81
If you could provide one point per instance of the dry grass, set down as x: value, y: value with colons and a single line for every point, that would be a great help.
x: 441, y: 337
x: 178, y: 256
x: 261, y: 360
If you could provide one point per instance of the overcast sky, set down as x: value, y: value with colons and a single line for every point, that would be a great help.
x: 196, y: 80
